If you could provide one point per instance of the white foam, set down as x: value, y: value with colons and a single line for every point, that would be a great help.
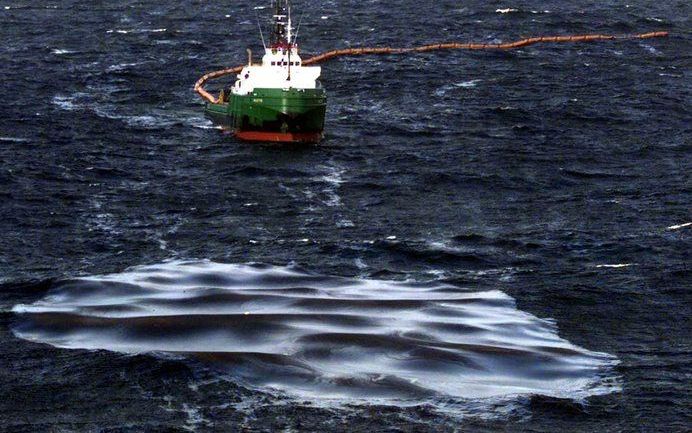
x: 470, y: 84
x: 345, y: 223
x: 121, y: 67
x: 60, y: 52
x: 67, y: 103
x: 651, y: 49
x: 333, y: 179
x: 679, y: 226
x: 202, y: 123
x: 148, y: 121
x: 125, y: 32
x: 14, y: 140
x: 194, y: 418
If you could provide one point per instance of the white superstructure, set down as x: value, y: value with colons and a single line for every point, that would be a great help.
x: 279, y: 70
x: 282, y: 67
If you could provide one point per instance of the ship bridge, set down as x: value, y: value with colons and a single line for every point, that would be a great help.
x: 281, y: 68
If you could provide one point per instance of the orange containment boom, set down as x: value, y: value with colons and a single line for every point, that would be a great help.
x: 199, y: 86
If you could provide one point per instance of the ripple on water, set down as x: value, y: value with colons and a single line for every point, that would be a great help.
x: 316, y: 336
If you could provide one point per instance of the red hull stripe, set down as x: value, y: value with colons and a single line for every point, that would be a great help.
x: 279, y: 137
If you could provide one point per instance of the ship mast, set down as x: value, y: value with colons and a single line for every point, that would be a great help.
x: 282, y: 29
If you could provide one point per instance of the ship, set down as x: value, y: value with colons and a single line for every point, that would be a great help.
x: 279, y: 100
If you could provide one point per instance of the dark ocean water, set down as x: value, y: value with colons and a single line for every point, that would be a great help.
x: 483, y: 242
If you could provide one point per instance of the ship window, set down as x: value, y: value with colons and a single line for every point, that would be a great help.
x: 273, y: 63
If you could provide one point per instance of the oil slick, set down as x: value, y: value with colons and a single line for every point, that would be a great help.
x: 320, y: 337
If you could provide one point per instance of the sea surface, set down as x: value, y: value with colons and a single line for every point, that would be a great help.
x: 484, y: 241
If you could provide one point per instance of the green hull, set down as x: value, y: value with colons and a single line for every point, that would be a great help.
x: 295, y: 111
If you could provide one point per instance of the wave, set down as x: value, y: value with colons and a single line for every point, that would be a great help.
x: 155, y: 120
x: 13, y: 140
x: 61, y: 51
x: 679, y: 226
x: 470, y: 84
x: 320, y: 337
x: 128, y: 31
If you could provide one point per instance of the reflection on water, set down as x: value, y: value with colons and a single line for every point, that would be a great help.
x: 317, y: 336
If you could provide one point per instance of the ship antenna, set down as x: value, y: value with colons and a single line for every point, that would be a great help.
x: 259, y: 25
x: 289, y: 28
x: 300, y: 23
